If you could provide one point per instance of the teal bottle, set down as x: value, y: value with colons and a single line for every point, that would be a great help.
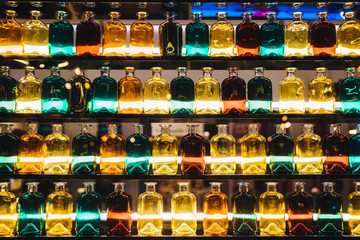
x: 138, y: 152
x: 354, y: 151
x: 55, y: 93
x: 259, y: 91
x: 103, y: 93
x: 182, y: 92
x: 350, y: 92
x: 88, y: 209
x: 271, y: 37
x: 31, y: 209
x: 197, y: 37
x: 8, y: 149
x: 7, y: 91
x: 61, y: 36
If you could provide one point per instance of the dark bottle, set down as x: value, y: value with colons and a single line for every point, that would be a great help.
x: 247, y: 37
x: 61, y: 36
x: 7, y: 91
x: 182, y: 92
x: 197, y: 37
x: 300, y: 208
x: 170, y: 37
x: 259, y: 93
x: 79, y: 92
x: 354, y: 151
x: 119, y: 209
x: 323, y: 36
x: 8, y: 149
x: 271, y: 36
x: 349, y: 89
x: 233, y: 93
x: 88, y: 36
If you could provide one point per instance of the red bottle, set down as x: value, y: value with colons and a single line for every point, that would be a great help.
x: 323, y: 36
x: 233, y: 92
x: 88, y: 36
x: 247, y: 37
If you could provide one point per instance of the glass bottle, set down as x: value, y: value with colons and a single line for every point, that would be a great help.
x: 8, y: 149
x: 243, y: 209
x: 335, y: 150
x: 221, y: 37
x: 207, y: 93
x: 103, y: 93
x: 272, y: 212
x: 354, y: 210
x: 31, y: 209
x: 233, y: 93
x: 130, y: 93
x: 348, y: 35
x: 88, y: 209
x: 329, y: 207
x: 271, y: 36
x: 183, y: 212
x: 247, y: 36
x: 61, y: 36
x: 7, y: 211
x: 114, y: 37
x: 253, y: 152
x: 216, y: 209
x: 321, y: 93
x: 165, y: 152
x: 31, y: 151
x: 297, y: 39
x: 112, y: 152
x: 11, y: 35
x: 182, y: 91
x: 36, y: 35
x: 349, y: 91
x: 28, y: 92
x: 142, y: 37
x: 88, y: 36
x: 197, y: 37
x: 84, y: 151
x: 309, y: 152
x: 259, y: 93
x: 170, y: 37
x: 55, y: 93
x: 300, y: 208
x: 7, y: 90
x: 291, y: 93
x: 80, y: 89
x: 156, y: 93
x: 323, y: 36
x: 192, y: 151
x: 150, y: 210
x: 138, y: 152
x: 354, y: 151
x: 59, y: 207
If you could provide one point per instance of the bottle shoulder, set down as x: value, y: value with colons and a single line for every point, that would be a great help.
x: 253, y: 137
x: 156, y: 81
x: 153, y: 195
x: 309, y: 137
x: 85, y: 137
x: 126, y: 80
x: 112, y: 136
x: 58, y: 136
x: 104, y: 80
x: 223, y: 137
x: 165, y: 138
x: 207, y: 80
x: 28, y: 136
x: 321, y: 80
x: 59, y: 196
x: 282, y: 137
x: 292, y: 80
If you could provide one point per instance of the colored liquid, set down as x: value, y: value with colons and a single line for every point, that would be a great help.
x: 233, y: 95
x: 244, y: 224
x: 54, y: 106
x: 350, y: 107
x: 330, y: 224
x: 119, y: 220
x: 182, y: 107
x: 79, y: 94
x: 301, y: 224
x: 141, y: 39
x: 137, y: 165
x: 112, y: 165
x: 87, y: 224
x: 282, y: 164
x: 130, y: 95
x: 247, y: 39
x: 323, y: 39
x: 215, y: 221
x: 103, y: 95
x: 309, y: 165
x: 260, y: 107
x: 271, y: 36
x: 83, y: 165
x: 7, y: 93
x: 336, y: 164
x: 197, y: 39
x: 260, y: 95
x: 244, y: 217
x: 170, y: 39
x: 61, y: 38
x: 88, y: 38
x: 221, y: 39
x: 291, y: 96
x: 8, y: 164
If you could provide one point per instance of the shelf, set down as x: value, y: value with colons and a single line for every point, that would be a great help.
x: 176, y: 1
x: 187, y: 238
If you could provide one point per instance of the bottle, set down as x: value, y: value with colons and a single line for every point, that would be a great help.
x: 207, y: 93
x: 130, y: 93
x: 253, y: 152
x: 216, y: 209
x: 223, y: 152
x: 349, y: 91
x: 112, y: 152
x: 281, y: 150
x: 271, y: 36
x: 335, y: 150
x: 88, y: 36
x: 28, y: 92
x: 7, y: 211
x: 142, y: 37
x: 354, y: 151
x: 221, y: 37
x: 323, y: 36
x: 8, y: 149
x: 309, y: 152
x: 61, y: 36
x: 84, y: 151
x: 7, y: 91
x: 272, y: 212
x: 300, y: 208
x: 259, y: 92
x: 150, y: 210
x: 354, y: 211
x: 321, y: 93
x: 243, y: 209
x: 170, y: 37
x: 138, y: 152
x: 297, y: 39
x: 31, y: 151
x: 197, y: 37
x: 80, y: 89
x: 291, y: 93
x: 55, y: 93
x: 348, y: 34
x: 35, y: 35
x: 114, y: 37
x: 31, y: 209
x: 182, y: 91
x: 156, y: 93
x: 59, y: 206
x: 233, y: 93
x: 11, y: 35
x: 88, y: 209
x: 183, y: 212
x: 165, y: 152
x: 119, y: 209
x: 247, y: 37
x: 329, y: 208
x: 192, y: 152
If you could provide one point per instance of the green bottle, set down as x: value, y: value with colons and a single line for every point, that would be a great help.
x: 350, y: 92
x: 8, y: 149
x: 259, y: 91
x: 7, y: 91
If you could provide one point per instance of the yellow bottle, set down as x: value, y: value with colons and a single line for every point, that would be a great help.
x: 183, y: 212
x: 348, y: 36
x: 272, y: 212
x: 7, y: 211
x: 11, y: 34
x: 222, y: 37
x: 130, y: 93
x: 354, y: 210
x: 223, y: 152
x: 253, y: 152
x: 36, y: 35
x: 216, y: 209
x: 150, y: 210
x: 141, y: 37
x: 114, y: 37
x: 207, y: 93
x: 321, y: 93
x: 297, y: 40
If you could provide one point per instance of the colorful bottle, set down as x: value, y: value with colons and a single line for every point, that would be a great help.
x: 221, y: 37
x: 88, y: 36
x: 259, y: 93
x: 348, y: 34
x: 7, y: 211
x: 11, y: 35
x: 297, y: 39
x: 247, y: 37
x: 354, y: 210
x: 142, y: 37
x: 233, y: 93
x: 349, y: 91
x: 7, y: 91
x: 170, y: 37
x: 354, y: 151
x: 207, y: 93
x: 36, y: 35
x: 61, y: 36
x: 323, y: 36
x: 197, y: 37
x: 182, y: 91
x: 9, y: 144
x: 114, y: 37
x: 130, y: 93
x: 271, y: 36
x: 80, y: 89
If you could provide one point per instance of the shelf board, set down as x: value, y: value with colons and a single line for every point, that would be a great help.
x: 189, y: 237
x: 176, y: 1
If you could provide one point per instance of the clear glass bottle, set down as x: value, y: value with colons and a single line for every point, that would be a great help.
x: 130, y: 93
x: 197, y: 37
x: 170, y: 37
x: 323, y: 36
x: 271, y: 36
x: 221, y: 37
x: 9, y: 144
x: 114, y: 37
x: 247, y: 36
x: 36, y: 35
x: 142, y: 37
x: 7, y: 211
x: 354, y: 151
x: 182, y: 91
x: 7, y: 91
x: 259, y: 91
x: 61, y: 36
x: 233, y: 93
x: 297, y: 39
x: 80, y: 89
x: 348, y: 35
x: 11, y: 35
x: 354, y: 210
x: 349, y: 91
x: 207, y: 93
x: 88, y: 36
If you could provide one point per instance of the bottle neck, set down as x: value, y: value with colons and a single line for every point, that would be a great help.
x: 233, y: 73
x: 358, y: 128
x: 221, y: 18
x: 165, y: 129
x: 207, y: 74
x: 328, y: 187
x: 170, y: 17
x: 322, y: 17
x: 197, y: 17
x: 35, y: 17
x: 320, y: 73
x: 55, y: 71
x: 297, y: 17
x: 280, y: 129
x: 32, y: 128
x: 138, y: 129
x: 215, y: 187
x: 5, y: 71
x: 10, y: 16
x: 271, y: 187
x: 4, y: 187
x: 349, y: 18
x: 156, y: 74
x: 181, y: 73
x: 222, y: 129
x: 29, y: 72
x: 259, y: 73
x: 290, y: 73
x: 84, y: 128
x: 271, y: 18
x: 60, y: 187
x: 253, y: 129
x: 112, y: 128
x: 150, y: 187
x: 335, y: 129
x: 119, y: 188
x: 32, y: 187
x: 105, y: 72
x: 244, y: 187
x: 142, y: 18
x: 7, y: 129
x: 357, y: 186
x: 247, y: 18
x: 299, y: 187
x: 351, y: 73
x: 183, y: 187
x: 308, y: 128
x: 192, y: 129
x: 89, y: 187
x: 57, y: 128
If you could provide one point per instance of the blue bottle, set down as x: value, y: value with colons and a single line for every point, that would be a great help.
x: 7, y: 91
x: 61, y: 36
x: 271, y: 37
x: 349, y: 89
x: 197, y: 37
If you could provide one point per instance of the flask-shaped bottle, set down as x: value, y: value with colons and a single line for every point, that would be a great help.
x: 354, y: 210
x: 80, y: 89
x: 9, y: 144
x: 259, y: 93
x: 7, y: 91
x: 271, y: 36
x: 130, y: 93
x: 297, y: 40
x: 170, y: 37
x: 142, y: 37
x: 354, y: 151
x: 221, y: 37
x: 233, y: 93
x: 348, y: 35
x: 207, y: 93
x: 36, y: 35
x: 323, y: 36
x: 182, y: 92
x: 11, y: 35
x: 88, y: 36
x: 7, y: 211
x: 114, y: 37
x: 247, y: 37
x: 349, y: 91
x: 61, y: 36
x: 197, y: 37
